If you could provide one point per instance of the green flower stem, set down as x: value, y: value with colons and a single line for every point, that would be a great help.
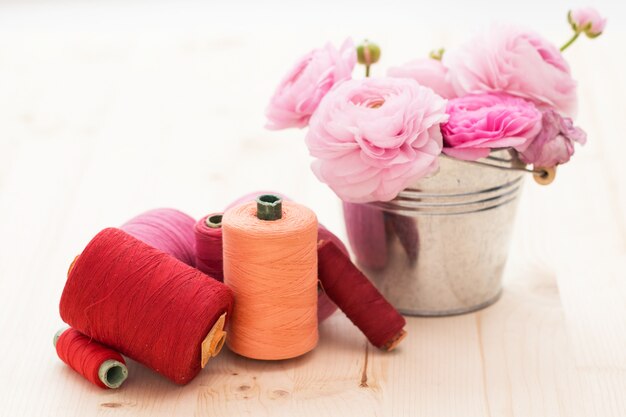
x: 367, y: 71
x: 571, y: 41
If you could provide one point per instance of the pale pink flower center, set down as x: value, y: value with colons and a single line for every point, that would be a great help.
x: 370, y: 102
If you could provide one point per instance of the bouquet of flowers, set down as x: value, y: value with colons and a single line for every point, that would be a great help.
x: 508, y: 88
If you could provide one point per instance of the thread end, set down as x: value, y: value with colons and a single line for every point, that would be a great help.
x: 112, y: 373
x: 269, y: 207
x: 214, y: 221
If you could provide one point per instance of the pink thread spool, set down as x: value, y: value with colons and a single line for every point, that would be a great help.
x: 165, y: 229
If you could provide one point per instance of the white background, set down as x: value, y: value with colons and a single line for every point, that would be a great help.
x: 110, y: 108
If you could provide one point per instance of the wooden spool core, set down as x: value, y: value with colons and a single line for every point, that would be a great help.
x: 395, y: 341
x: 72, y: 265
x: 214, y: 341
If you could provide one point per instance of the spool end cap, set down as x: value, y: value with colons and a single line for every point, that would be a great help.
x: 112, y: 373
x: 214, y: 221
x: 269, y: 207
x: 58, y: 334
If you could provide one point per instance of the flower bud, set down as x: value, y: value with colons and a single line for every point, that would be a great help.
x: 368, y: 53
x: 437, y: 54
x: 587, y: 20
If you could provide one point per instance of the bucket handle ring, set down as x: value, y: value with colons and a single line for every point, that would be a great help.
x: 541, y: 175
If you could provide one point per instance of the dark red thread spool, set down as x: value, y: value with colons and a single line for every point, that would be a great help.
x: 325, y: 305
x: 99, y: 364
x: 359, y: 299
x: 146, y: 304
x: 209, y: 257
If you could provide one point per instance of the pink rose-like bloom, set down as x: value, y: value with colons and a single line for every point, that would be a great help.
x: 372, y: 137
x: 515, y: 62
x: 588, y: 20
x: 302, y: 89
x: 555, y: 142
x: 428, y: 72
x: 480, y: 123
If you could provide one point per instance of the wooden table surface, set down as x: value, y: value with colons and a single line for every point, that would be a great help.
x: 97, y: 126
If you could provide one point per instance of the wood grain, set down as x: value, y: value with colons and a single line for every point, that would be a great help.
x: 96, y: 128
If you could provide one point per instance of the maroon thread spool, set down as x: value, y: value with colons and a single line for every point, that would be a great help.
x: 355, y: 295
x: 209, y: 257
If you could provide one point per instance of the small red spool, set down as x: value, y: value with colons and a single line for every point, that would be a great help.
x: 146, y: 304
x: 100, y: 365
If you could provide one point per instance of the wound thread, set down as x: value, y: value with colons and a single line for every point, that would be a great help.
x: 208, y: 235
x: 271, y: 267
x: 166, y: 229
x: 325, y: 307
x: 143, y: 303
x: 99, y: 364
x: 355, y: 295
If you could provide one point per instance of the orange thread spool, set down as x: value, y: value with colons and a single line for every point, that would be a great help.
x: 270, y: 264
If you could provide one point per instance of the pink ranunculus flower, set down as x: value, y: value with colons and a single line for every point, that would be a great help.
x: 587, y: 20
x: 302, y: 89
x: 427, y: 72
x: 517, y: 62
x: 372, y: 137
x: 555, y: 142
x: 482, y: 122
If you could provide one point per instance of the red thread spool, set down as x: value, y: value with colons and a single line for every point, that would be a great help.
x: 100, y: 365
x: 325, y: 305
x: 359, y: 299
x: 168, y: 230
x: 209, y: 257
x: 146, y: 304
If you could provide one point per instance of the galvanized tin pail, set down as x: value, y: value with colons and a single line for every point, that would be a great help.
x: 439, y: 248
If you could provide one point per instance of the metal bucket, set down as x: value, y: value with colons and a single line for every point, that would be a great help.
x: 440, y: 247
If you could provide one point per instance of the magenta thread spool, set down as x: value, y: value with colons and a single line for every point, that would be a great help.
x: 166, y: 229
